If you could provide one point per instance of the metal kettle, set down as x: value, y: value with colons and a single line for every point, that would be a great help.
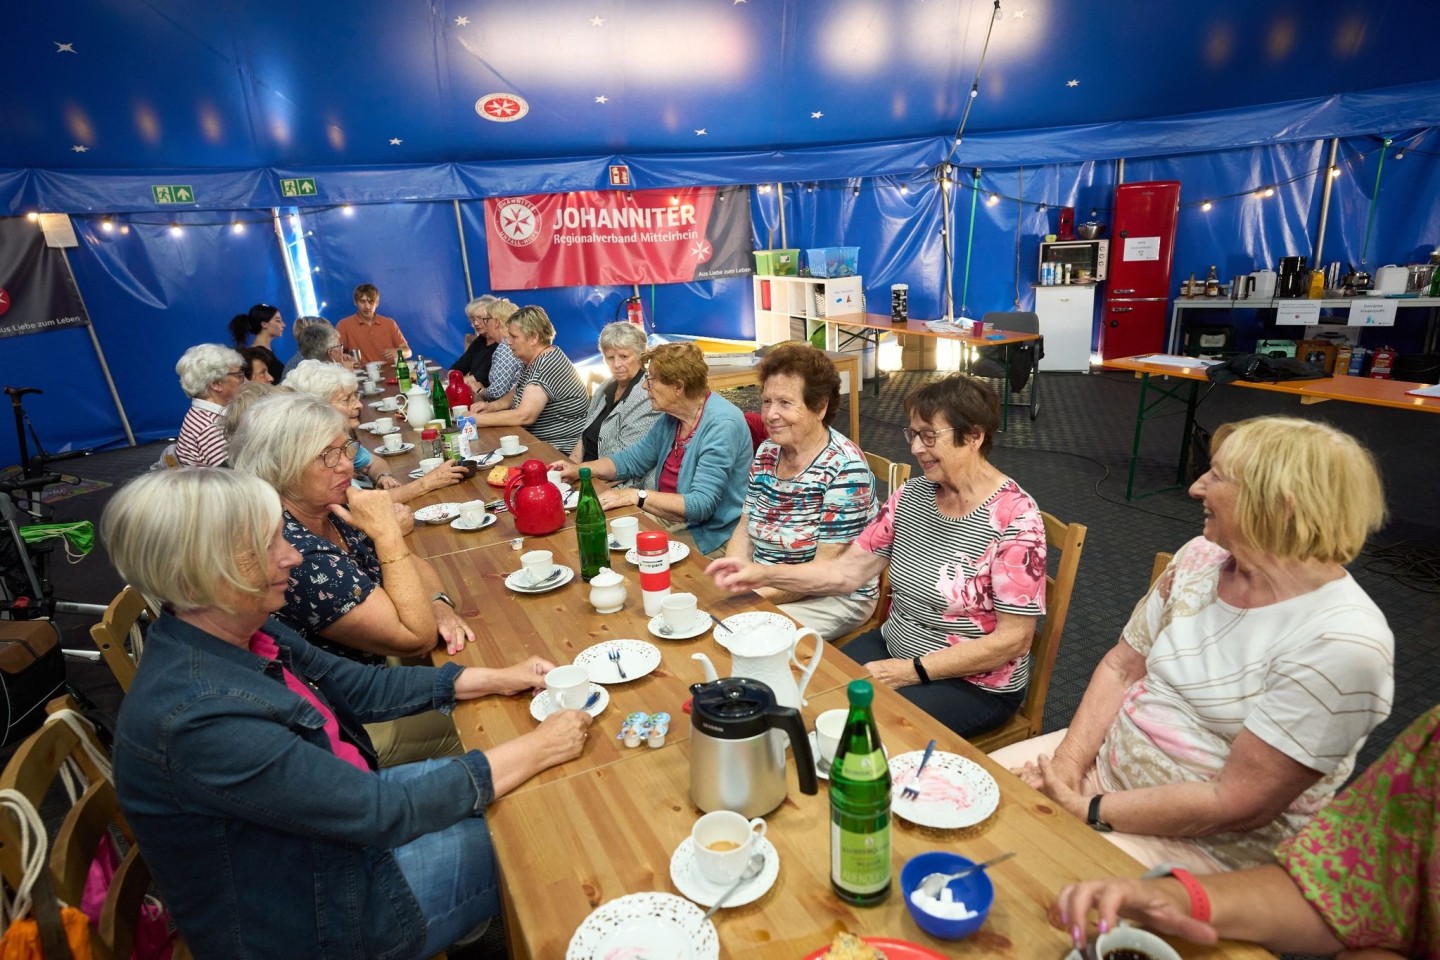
x: 734, y: 762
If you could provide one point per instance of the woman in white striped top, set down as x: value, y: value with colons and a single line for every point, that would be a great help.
x: 966, y: 550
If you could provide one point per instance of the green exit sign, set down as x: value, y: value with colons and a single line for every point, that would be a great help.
x: 173, y: 193
x: 298, y: 187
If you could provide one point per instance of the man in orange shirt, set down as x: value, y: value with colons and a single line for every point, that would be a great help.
x: 376, y: 337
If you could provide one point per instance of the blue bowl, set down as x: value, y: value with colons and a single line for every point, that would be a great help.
x: 976, y: 891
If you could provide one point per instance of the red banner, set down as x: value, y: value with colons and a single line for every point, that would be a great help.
x: 617, y: 237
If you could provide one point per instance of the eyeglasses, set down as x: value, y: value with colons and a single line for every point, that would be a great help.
x: 237, y: 374
x: 927, y: 437
x: 331, y: 456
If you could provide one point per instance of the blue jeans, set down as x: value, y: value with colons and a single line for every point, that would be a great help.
x: 451, y: 872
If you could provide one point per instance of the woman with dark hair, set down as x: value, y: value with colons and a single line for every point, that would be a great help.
x: 263, y: 325
x: 257, y: 364
x: 810, y: 492
x: 966, y: 551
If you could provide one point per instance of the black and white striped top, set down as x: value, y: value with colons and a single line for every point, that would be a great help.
x: 563, y: 419
x: 949, y: 577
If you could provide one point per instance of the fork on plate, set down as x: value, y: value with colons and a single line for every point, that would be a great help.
x: 614, y: 656
x: 911, y: 791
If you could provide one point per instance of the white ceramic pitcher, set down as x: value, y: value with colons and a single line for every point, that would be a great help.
x: 765, y: 652
x: 415, y: 405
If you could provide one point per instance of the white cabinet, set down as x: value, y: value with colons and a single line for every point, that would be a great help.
x: 1067, y: 321
x: 790, y: 308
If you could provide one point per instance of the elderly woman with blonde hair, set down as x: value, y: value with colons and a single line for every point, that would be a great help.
x: 1249, y: 675
x: 492, y: 326
x: 242, y: 745
x: 620, y: 410
x: 341, y: 389
x: 548, y: 398
x: 209, y: 374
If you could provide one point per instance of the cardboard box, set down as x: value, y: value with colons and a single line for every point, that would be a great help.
x: 1318, y: 353
x: 917, y: 352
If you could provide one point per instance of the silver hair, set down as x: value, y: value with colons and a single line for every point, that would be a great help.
x: 281, y: 436
x: 328, y: 381
x: 315, y: 340
x: 480, y: 305
x: 205, y: 363
x: 240, y: 404
x: 183, y: 536
x: 623, y: 335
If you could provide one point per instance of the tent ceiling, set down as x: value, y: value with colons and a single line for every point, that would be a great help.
x: 90, y: 85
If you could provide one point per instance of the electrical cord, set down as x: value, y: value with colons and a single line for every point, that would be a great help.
x: 1409, y: 562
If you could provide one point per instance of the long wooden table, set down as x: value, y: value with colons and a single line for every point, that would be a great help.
x: 726, y: 378
x: 606, y: 824
x: 1365, y: 390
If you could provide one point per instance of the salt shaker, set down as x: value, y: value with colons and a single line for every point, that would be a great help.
x: 653, y: 549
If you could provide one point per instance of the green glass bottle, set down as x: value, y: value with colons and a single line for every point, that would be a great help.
x: 439, y: 403
x: 860, y: 806
x: 402, y: 373
x: 590, y: 529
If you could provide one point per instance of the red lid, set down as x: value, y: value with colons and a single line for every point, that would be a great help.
x: 652, y: 542
x: 428, y: 434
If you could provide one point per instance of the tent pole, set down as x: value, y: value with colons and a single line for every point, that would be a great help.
x: 780, y: 205
x: 945, y: 244
x: 464, y: 254
x: 1325, y: 202
x: 99, y: 353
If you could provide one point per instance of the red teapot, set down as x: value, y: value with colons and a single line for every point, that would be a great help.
x: 537, y: 506
x: 458, y: 392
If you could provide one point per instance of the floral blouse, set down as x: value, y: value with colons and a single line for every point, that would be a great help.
x: 328, y: 583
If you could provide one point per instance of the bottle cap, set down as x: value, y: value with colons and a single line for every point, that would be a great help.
x: 861, y: 693
x: 584, y: 473
x: 428, y: 434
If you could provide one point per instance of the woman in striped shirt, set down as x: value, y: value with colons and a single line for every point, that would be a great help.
x: 966, y: 551
x: 548, y: 399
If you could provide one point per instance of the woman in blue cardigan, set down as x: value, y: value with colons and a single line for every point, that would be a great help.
x: 700, y: 453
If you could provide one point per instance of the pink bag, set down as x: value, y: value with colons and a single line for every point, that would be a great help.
x: 154, y: 935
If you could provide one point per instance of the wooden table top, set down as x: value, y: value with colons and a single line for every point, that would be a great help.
x: 917, y: 328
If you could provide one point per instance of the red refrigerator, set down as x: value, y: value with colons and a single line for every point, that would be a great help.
x: 1137, y: 296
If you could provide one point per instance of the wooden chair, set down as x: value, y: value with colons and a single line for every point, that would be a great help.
x: 1162, y: 560
x: 117, y: 635
x: 32, y: 771
x: 1069, y: 539
x: 893, y: 475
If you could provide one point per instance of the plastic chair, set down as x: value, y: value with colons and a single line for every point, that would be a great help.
x: 759, y: 433
x: 895, y: 475
x: 1069, y: 539
x: 118, y: 636
x: 1021, y: 361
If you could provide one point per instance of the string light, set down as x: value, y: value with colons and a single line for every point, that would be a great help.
x: 107, y: 224
x: 1334, y: 172
x: 237, y: 227
x: 904, y: 188
x: 1269, y: 191
x: 993, y: 199
x: 764, y: 188
x: 1205, y: 206
x: 175, y: 230
x: 348, y: 210
x: 1400, y: 154
x: 32, y: 216
x: 674, y: 200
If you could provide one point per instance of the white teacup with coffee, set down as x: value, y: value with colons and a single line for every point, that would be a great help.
x: 510, y: 444
x: 392, y: 442
x: 724, y: 841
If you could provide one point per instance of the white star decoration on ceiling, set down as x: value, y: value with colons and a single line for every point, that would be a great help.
x: 602, y: 99
x: 596, y: 21
x: 701, y: 132
x: 80, y: 148
x: 396, y: 141
x: 1072, y: 83
x: 1018, y: 15
x: 816, y: 114
x: 462, y: 21
x: 64, y: 47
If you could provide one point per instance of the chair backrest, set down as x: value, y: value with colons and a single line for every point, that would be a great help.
x: 1069, y: 539
x: 892, y: 473
x: 1162, y: 560
x: 117, y: 634
x: 1019, y: 321
x: 759, y: 433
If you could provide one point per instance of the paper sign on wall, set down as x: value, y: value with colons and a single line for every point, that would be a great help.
x: 1141, y: 248
x: 1372, y: 312
x: 1297, y: 312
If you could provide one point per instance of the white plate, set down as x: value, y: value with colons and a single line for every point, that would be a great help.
x: 540, y: 704
x: 824, y: 774
x: 370, y: 428
x: 404, y: 448
x: 685, y: 874
x: 954, y: 792
x: 637, y: 658
x: 523, y: 449
x: 438, y: 513
x: 486, y: 459
x: 678, y: 551
x: 514, y: 581
x: 571, y: 499
x: 645, y: 926
x: 703, y: 621
x: 377, y: 405
x: 459, y: 523
x: 753, y: 619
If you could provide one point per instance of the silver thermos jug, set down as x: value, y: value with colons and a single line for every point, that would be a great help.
x: 735, y: 764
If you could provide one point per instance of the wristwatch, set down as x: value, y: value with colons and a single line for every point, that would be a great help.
x: 1094, y: 818
x: 444, y: 598
x: 640, y: 498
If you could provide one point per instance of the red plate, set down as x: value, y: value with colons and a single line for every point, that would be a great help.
x: 509, y: 474
x: 893, y: 950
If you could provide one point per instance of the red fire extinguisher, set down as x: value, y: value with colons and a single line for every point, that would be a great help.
x: 633, y: 312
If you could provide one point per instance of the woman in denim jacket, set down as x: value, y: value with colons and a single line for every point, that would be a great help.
x: 243, y: 767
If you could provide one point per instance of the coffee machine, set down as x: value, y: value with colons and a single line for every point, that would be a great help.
x: 1293, y: 278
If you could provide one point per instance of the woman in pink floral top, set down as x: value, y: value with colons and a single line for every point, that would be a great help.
x: 966, y: 551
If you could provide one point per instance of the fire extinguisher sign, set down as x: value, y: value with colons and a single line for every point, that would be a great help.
x: 619, y: 175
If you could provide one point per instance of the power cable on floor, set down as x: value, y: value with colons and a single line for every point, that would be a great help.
x: 1408, y: 562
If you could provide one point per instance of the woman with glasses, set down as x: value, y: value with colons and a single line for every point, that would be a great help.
x: 495, y: 369
x: 966, y: 551
x: 479, y: 348
x: 358, y: 592
x: 210, y: 375
x: 263, y: 325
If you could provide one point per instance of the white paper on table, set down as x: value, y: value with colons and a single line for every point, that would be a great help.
x: 1141, y: 248
x: 1170, y: 360
x: 1431, y: 391
x: 1291, y: 313
x: 942, y: 326
x: 1372, y: 312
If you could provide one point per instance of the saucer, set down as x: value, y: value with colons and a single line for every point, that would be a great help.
x: 685, y: 874
x: 617, y: 545
x: 404, y: 448
x: 561, y: 576
x: 678, y: 551
x: 571, y: 499
x: 703, y: 621
x: 485, y: 459
x: 370, y: 428
x: 824, y: 772
x: 459, y: 523
x: 438, y: 513
x: 382, y: 406
x: 540, y: 704
x: 523, y: 449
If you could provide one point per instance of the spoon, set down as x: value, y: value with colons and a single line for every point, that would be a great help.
x: 931, y: 884
x: 665, y: 630
x: 753, y: 866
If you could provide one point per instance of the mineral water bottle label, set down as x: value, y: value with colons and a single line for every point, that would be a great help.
x: 860, y: 862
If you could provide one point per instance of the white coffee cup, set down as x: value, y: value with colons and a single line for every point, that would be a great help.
x: 373, y: 369
x: 724, y: 841
x: 473, y: 512
x: 459, y: 410
x: 430, y: 463
x: 509, y: 444
x: 384, y: 424
x: 569, y: 687
x: 1126, y: 937
x: 370, y: 388
x: 389, y: 404
x: 623, y: 529
x: 829, y: 728
x: 539, y: 565
x: 678, y: 611
x: 555, y: 477
x: 391, y: 442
